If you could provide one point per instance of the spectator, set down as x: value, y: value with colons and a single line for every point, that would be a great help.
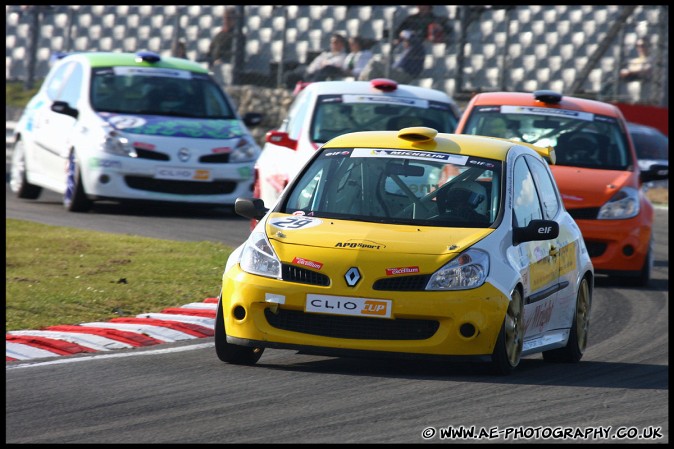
x: 179, y: 50
x: 358, y: 57
x: 406, y: 66
x: 327, y: 65
x: 428, y: 26
x: 638, y: 68
x: 221, y: 50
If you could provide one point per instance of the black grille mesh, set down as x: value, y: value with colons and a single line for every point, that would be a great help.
x: 595, y: 249
x: 588, y: 213
x: 403, y: 283
x: 180, y: 187
x: 148, y: 154
x: 351, y: 327
x: 220, y: 158
x: 291, y: 273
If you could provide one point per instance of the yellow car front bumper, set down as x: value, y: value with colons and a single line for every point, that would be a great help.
x: 270, y: 312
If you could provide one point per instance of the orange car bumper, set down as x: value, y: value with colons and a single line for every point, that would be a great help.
x: 618, y: 245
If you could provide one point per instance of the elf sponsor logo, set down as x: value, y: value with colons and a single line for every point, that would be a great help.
x: 401, y: 270
x: 337, y: 153
x: 307, y: 263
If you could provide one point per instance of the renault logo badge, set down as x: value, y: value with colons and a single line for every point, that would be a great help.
x: 184, y: 154
x: 352, y: 277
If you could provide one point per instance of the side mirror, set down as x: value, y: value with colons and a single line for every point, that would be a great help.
x: 536, y: 230
x: 252, y: 119
x: 63, y: 107
x: 252, y: 208
x: 655, y: 172
x: 280, y: 138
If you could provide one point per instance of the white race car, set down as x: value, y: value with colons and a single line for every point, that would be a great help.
x: 326, y: 109
x: 122, y: 127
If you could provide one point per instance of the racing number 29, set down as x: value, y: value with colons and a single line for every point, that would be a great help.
x: 293, y: 222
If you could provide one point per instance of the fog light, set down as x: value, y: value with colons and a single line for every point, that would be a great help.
x: 467, y: 330
x: 104, y: 179
x: 239, y: 312
x: 628, y: 250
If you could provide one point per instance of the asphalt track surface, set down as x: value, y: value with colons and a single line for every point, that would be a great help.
x: 181, y: 393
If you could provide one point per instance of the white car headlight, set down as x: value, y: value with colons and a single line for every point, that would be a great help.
x: 259, y: 258
x: 119, y: 145
x: 244, y: 151
x: 624, y: 204
x: 468, y: 270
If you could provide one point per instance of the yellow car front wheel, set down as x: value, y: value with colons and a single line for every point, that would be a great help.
x: 508, y: 349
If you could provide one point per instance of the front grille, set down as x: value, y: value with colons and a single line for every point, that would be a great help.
x: 351, y: 327
x: 180, y: 187
x: 586, y: 213
x: 154, y: 155
x: 291, y: 273
x: 595, y: 249
x: 403, y: 283
x: 220, y: 158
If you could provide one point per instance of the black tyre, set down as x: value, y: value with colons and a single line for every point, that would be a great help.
x: 508, y: 349
x: 18, y: 182
x: 575, y: 347
x: 227, y: 352
x: 75, y: 198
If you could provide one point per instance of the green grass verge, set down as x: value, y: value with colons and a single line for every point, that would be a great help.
x: 56, y: 275
x: 17, y: 96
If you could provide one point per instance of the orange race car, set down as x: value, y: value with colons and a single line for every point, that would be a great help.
x: 596, y: 170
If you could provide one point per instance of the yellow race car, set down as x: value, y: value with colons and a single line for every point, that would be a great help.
x: 411, y: 243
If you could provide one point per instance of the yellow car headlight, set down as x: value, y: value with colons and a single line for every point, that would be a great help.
x: 468, y: 270
x: 258, y: 257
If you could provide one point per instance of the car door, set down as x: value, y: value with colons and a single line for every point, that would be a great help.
x: 278, y: 163
x: 55, y: 129
x: 539, y: 258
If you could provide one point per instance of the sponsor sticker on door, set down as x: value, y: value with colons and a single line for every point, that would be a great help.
x: 344, y: 305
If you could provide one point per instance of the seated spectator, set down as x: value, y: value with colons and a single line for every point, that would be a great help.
x: 358, y: 57
x: 327, y: 65
x: 406, y: 66
x: 428, y: 26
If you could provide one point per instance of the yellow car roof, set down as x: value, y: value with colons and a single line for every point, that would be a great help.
x: 428, y: 139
